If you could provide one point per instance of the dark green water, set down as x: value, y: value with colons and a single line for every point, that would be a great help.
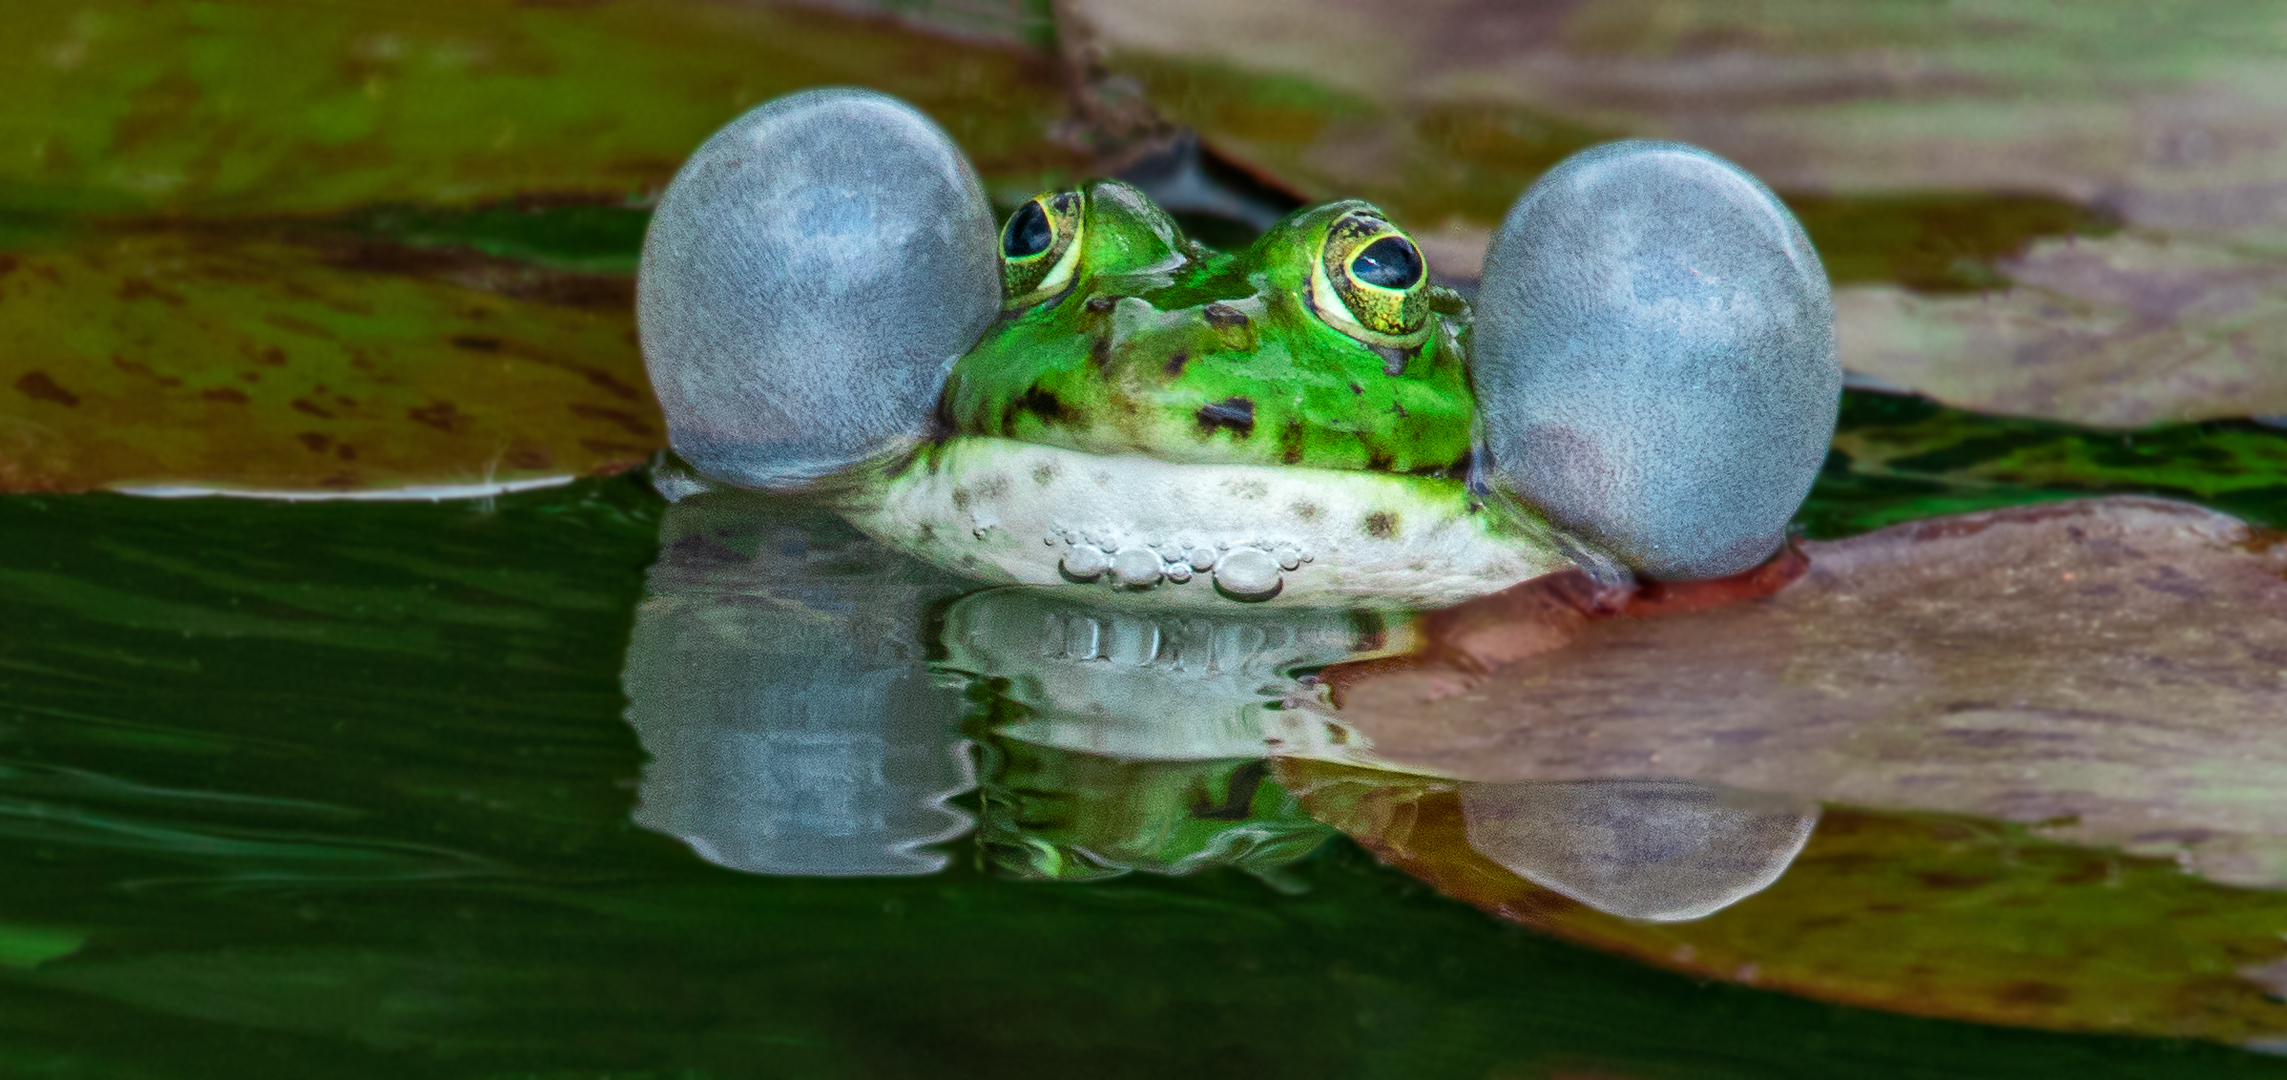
x: 345, y: 790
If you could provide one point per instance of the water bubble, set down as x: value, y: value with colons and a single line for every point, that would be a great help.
x: 1085, y: 562
x: 1136, y: 567
x: 1245, y: 573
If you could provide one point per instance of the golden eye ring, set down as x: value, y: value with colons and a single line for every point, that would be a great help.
x: 1371, y: 281
x: 1040, y: 248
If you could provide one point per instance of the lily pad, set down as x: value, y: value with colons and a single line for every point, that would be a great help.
x: 198, y: 360
x: 1926, y: 914
x: 2106, y: 672
x: 2169, y: 125
x: 2125, y: 331
x: 2138, y: 207
x: 131, y: 109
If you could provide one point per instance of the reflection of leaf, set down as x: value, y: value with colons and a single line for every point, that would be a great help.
x: 132, y: 109
x: 1930, y: 915
x: 26, y: 947
x: 1898, y: 458
x: 195, y: 358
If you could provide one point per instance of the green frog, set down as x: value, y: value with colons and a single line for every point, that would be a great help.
x: 1293, y: 421
x: 1085, y: 396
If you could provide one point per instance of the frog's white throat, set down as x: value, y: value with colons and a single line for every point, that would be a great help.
x: 1159, y: 532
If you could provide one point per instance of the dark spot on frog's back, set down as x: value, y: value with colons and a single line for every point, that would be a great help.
x: 1235, y: 414
x: 1042, y: 404
x: 1381, y: 524
x: 1175, y: 362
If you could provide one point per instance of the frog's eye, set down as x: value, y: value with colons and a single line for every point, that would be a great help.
x: 1378, y: 282
x: 1040, y: 248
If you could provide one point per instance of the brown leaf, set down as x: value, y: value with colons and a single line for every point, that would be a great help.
x: 2113, y: 669
x: 1931, y: 149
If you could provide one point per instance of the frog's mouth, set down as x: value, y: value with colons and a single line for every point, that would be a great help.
x: 1163, y: 532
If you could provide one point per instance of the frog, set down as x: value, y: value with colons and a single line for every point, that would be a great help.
x: 1323, y: 345
x: 1148, y: 410
x: 1078, y: 394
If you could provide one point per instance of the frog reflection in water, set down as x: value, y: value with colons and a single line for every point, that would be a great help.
x: 1648, y: 381
x: 816, y: 704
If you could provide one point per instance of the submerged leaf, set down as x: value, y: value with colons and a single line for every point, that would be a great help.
x: 1932, y: 915
x: 206, y: 360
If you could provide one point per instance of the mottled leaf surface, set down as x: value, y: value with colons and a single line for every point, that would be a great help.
x: 2171, y: 120
x: 1947, y: 151
x: 2111, y: 672
x: 215, y: 360
x: 2124, y: 331
x: 120, y: 108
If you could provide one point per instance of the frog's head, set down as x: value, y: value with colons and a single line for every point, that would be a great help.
x: 1323, y: 344
x: 1653, y: 361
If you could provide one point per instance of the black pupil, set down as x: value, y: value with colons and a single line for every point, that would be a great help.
x: 1390, y: 262
x: 1028, y: 232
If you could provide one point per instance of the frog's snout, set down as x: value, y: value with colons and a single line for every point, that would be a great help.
x: 1132, y: 335
x: 808, y: 280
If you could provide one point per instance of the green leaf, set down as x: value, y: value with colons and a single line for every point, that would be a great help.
x: 311, y: 364
x: 1901, y: 458
x: 119, y: 108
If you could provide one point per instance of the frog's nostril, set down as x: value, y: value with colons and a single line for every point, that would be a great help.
x: 1223, y: 316
x: 1233, y: 331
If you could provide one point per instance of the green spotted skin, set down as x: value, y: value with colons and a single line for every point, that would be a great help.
x: 1155, y: 344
